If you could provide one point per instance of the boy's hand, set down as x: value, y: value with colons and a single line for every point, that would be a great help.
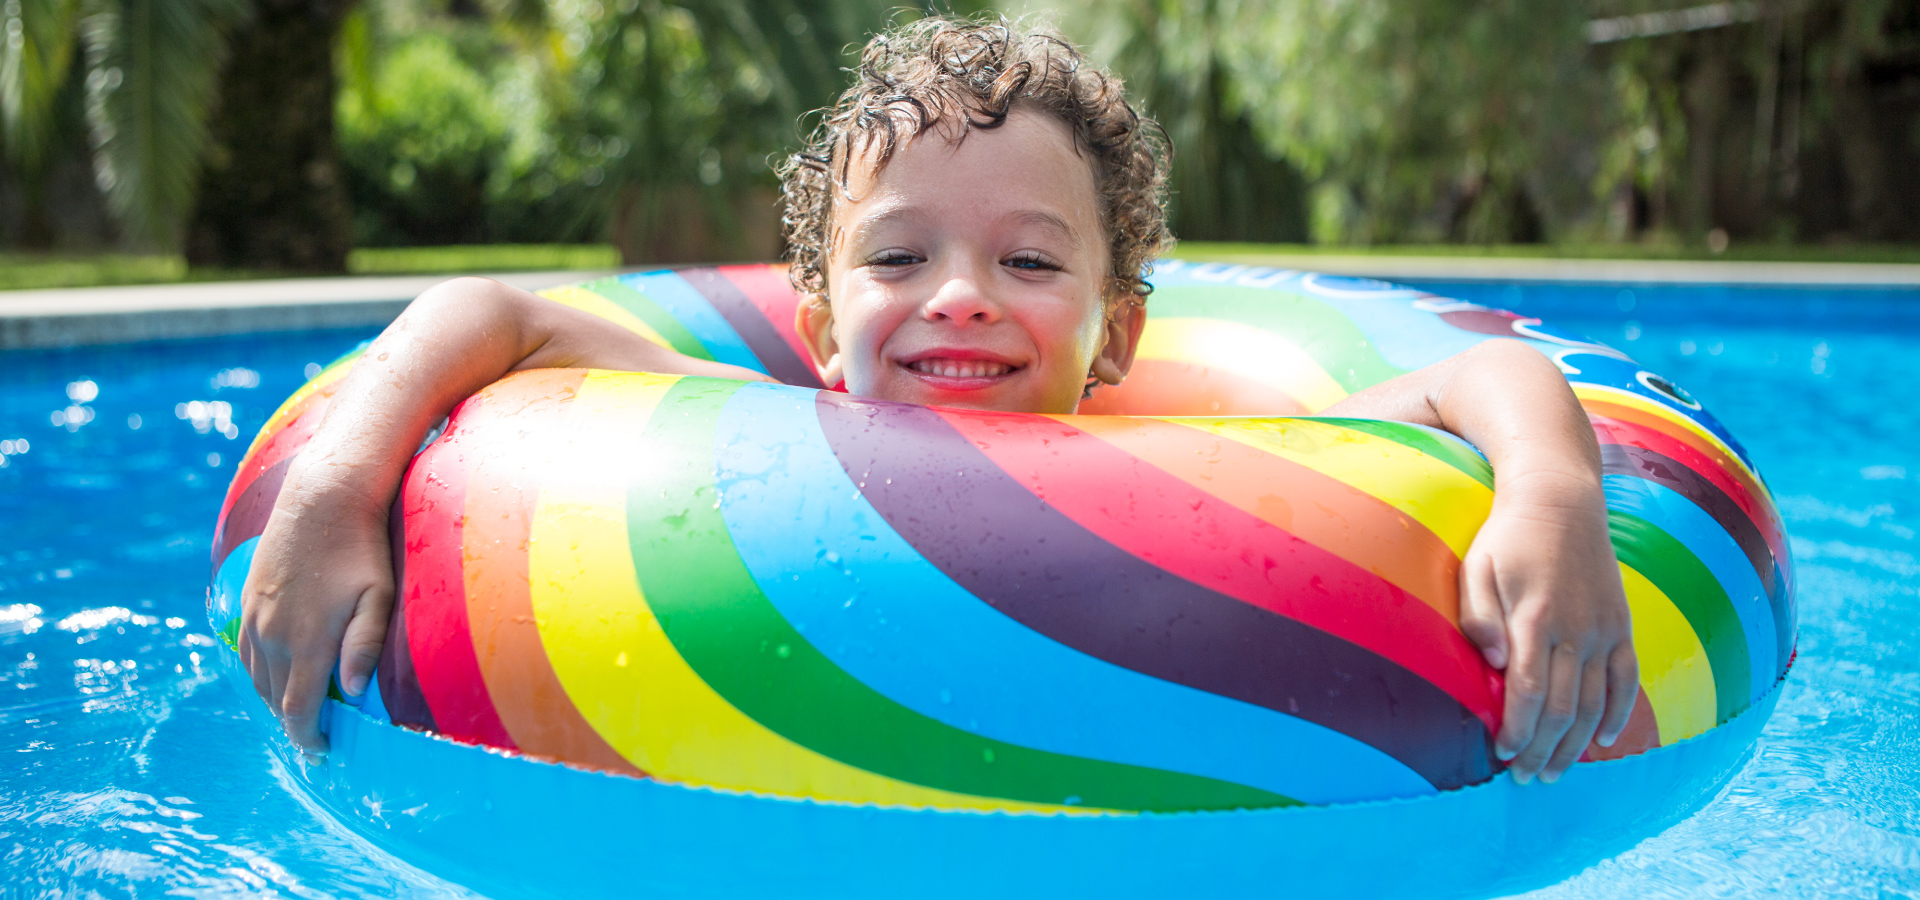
x: 1540, y: 594
x: 1539, y: 589
x: 321, y: 588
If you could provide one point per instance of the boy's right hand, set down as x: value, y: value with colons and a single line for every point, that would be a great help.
x: 321, y: 588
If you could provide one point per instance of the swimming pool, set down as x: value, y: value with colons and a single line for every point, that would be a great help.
x: 134, y: 771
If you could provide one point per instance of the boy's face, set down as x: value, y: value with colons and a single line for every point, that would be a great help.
x: 969, y: 274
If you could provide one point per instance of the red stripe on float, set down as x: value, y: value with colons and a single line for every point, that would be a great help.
x: 279, y: 447
x: 1185, y: 531
x: 433, y: 592
x: 774, y: 296
x: 1614, y: 431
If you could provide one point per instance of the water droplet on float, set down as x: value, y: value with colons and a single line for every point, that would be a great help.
x: 621, y: 660
x: 987, y: 754
x: 783, y: 651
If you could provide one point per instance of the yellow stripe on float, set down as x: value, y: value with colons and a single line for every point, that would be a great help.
x: 1448, y: 501
x: 1255, y: 354
x: 1674, y: 670
x: 593, y: 304
x: 289, y: 408
x: 615, y: 660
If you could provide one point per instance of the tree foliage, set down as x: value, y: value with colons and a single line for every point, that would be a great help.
x: 652, y: 122
x: 1227, y: 184
x: 1420, y: 119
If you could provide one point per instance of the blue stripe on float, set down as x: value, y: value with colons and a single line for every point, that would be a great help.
x: 224, y: 604
x: 692, y: 309
x: 860, y: 593
x: 1694, y: 528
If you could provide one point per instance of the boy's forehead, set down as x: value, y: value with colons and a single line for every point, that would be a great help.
x: 1032, y: 152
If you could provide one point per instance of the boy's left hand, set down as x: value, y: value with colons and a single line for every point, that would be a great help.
x: 1540, y: 594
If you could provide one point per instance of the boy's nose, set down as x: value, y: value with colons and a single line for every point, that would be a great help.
x: 960, y: 299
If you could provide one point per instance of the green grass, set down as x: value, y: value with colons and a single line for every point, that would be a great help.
x: 480, y: 258
x: 1850, y: 253
x: 19, y: 271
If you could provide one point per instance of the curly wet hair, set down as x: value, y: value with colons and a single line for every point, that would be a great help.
x: 972, y: 72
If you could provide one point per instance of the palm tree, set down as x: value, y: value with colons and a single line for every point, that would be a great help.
x: 148, y: 68
x: 274, y: 196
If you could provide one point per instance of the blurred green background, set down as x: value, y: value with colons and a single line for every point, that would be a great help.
x: 154, y: 140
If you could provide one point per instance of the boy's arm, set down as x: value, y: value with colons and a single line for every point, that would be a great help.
x: 321, y: 586
x: 1540, y: 588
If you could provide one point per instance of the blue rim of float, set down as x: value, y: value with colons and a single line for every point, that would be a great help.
x: 513, y: 826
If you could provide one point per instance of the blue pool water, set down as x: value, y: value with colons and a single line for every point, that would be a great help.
x: 131, y: 770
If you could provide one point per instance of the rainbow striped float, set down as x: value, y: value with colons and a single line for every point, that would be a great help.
x: 1166, y: 646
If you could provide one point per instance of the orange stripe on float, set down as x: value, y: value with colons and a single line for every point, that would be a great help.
x: 1247, y: 351
x: 1641, y: 734
x: 1330, y: 514
x: 503, y: 486
x: 1163, y: 387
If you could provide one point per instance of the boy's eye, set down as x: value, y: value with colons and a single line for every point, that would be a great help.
x: 894, y: 258
x: 1031, y: 260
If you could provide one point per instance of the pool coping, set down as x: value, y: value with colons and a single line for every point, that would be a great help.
x: 1589, y: 271
x: 69, y: 317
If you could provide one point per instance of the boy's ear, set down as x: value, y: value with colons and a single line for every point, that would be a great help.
x: 1123, y: 340
x: 813, y: 319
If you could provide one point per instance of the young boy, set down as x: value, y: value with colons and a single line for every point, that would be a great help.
x: 971, y: 225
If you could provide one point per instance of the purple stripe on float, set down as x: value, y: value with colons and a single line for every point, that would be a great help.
x: 751, y: 324
x: 1639, y: 462
x: 1032, y: 563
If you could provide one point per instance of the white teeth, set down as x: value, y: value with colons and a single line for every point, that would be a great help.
x: 956, y: 368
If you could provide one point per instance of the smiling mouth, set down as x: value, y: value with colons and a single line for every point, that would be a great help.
x: 960, y: 368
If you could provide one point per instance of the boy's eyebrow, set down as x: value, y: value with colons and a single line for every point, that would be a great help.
x: 869, y: 225
x: 1037, y: 218
x: 1047, y: 221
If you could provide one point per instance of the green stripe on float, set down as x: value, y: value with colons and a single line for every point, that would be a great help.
x: 650, y: 312
x: 1691, y: 586
x: 1452, y: 453
x: 1329, y: 337
x: 740, y: 645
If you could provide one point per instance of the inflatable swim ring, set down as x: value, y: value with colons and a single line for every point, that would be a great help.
x: 700, y: 636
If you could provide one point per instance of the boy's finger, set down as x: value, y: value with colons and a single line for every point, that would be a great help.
x: 1527, y: 682
x: 1593, y: 701
x: 366, y: 634
x: 276, y: 668
x: 306, y: 689
x: 256, y: 665
x: 1623, y: 687
x: 1482, y: 619
x: 1556, y: 713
